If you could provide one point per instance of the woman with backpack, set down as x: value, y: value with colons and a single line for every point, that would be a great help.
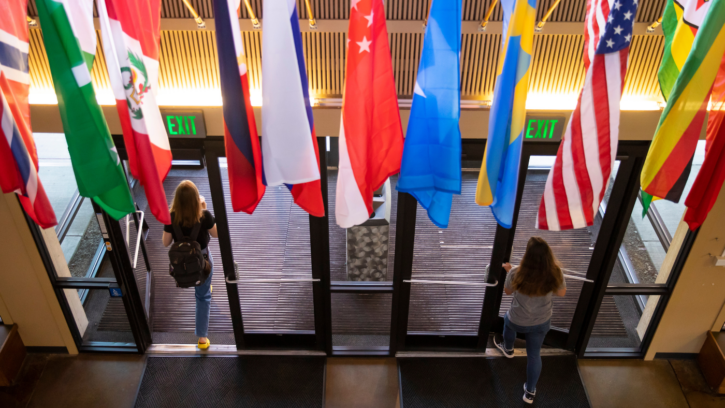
x: 532, y: 284
x: 191, y: 222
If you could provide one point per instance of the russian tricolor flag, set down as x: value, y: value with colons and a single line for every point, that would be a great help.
x: 289, y: 144
x: 240, y: 129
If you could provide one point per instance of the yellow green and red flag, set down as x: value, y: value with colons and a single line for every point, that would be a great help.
x: 668, y: 161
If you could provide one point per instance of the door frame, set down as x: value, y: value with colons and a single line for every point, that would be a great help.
x: 611, y: 233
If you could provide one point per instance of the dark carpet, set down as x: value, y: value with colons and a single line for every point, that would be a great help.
x: 256, y: 381
x: 488, y: 382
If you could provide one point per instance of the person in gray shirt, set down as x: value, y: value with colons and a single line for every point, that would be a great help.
x: 532, y: 284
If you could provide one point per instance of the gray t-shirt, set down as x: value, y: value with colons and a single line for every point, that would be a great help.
x: 529, y: 310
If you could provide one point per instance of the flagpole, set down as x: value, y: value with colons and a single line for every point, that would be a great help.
x: 313, y: 23
x: 484, y: 22
x: 199, y: 22
x: 252, y: 16
x: 540, y: 26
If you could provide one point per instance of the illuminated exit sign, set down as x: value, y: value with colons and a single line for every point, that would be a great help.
x: 184, y: 123
x: 544, y: 128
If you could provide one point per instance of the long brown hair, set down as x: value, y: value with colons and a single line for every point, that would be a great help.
x: 539, y: 272
x: 186, y: 205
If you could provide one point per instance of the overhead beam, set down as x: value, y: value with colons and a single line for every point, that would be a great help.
x: 394, y: 26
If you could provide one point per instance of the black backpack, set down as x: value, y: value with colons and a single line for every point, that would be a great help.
x: 186, y: 261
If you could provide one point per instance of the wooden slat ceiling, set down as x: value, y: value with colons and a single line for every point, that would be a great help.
x: 189, y: 61
x: 567, y: 11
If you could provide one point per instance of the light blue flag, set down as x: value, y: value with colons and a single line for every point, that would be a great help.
x: 431, y: 167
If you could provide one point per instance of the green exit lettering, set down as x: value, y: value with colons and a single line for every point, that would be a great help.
x: 181, y: 125
x: 542, y: 128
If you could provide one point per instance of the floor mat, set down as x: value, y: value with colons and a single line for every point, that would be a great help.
x: 258, y: 381
x: 488, y: 382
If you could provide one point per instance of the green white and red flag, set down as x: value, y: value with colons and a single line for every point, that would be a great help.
x: 70, y: 42
x: 131, y: 31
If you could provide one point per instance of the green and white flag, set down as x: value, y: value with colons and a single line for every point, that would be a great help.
x: 70, y: 42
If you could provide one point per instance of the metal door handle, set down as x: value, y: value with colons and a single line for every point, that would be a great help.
x: 433, y: 282
x: 237, y: 281
x: 138, y: 239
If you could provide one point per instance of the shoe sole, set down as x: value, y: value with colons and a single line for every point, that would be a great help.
x: 528, y: 401
x: 500, y: 348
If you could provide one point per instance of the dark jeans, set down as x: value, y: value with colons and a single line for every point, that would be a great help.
x: 534, y: 340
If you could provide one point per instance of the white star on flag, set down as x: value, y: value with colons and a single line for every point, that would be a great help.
x: 610, y: 19
x: 628, y: 37
x: 364, y: 44
x: 618, y: 30
x: 628, y: 15
x: 610, y: 43
x: 353, y: 4
x: 617, y: 5
x: 370, y: 18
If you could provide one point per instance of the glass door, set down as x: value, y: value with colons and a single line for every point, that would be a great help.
x: 267, y: 264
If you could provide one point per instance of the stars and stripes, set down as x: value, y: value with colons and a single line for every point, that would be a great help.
x: 578, y: 180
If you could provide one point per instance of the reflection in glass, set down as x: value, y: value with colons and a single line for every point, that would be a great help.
x: 459, y: 253
x: 620, y: 323
x: 361, y: 320
x: 364, y: 252
x: 100, y: 317
x: 272, y: 243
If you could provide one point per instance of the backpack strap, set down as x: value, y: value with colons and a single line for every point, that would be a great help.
x: 195, y: 231
x: 177, y: 231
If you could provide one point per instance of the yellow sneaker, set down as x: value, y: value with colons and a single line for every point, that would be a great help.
x: 204, y: 346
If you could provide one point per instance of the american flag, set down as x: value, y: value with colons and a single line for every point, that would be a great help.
x: 578, y: 180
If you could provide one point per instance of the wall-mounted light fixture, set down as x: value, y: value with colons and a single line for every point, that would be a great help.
x: 540, y: 27
x: 199, y: 22
x: 484, y: 22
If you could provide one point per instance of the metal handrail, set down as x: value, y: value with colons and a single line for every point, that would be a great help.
x: 138, y: 239
x: 433, y: 282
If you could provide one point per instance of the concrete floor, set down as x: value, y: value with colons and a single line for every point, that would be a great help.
x: 105, y: 380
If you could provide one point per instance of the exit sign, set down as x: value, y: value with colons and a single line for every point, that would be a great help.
x: 184, y: 123
x: 544, y: 128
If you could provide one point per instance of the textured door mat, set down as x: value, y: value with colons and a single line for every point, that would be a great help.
x: 488, y: 382
x: 245, y: 381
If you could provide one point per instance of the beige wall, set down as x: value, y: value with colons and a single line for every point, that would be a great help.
x: 699, y: 295
x: 26, y: 295
x: 634, y: 125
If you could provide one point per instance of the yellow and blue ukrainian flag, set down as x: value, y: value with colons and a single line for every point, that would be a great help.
x: 500, y: 169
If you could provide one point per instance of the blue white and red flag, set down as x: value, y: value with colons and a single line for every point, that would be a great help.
x: 244, y: 159
x: 18, y: 157
x: 289, y: 143
x: 577, y: 182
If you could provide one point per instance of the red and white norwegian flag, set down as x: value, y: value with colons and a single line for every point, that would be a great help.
x: 578, y: 180
x: 131, y: 30
x: 371, y: 136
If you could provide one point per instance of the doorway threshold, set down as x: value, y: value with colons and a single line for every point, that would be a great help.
x: 489, y: 353
x: 222, y: 350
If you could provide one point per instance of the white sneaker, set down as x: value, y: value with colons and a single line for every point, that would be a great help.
x: 500, y: 346
x: 528, y: 395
